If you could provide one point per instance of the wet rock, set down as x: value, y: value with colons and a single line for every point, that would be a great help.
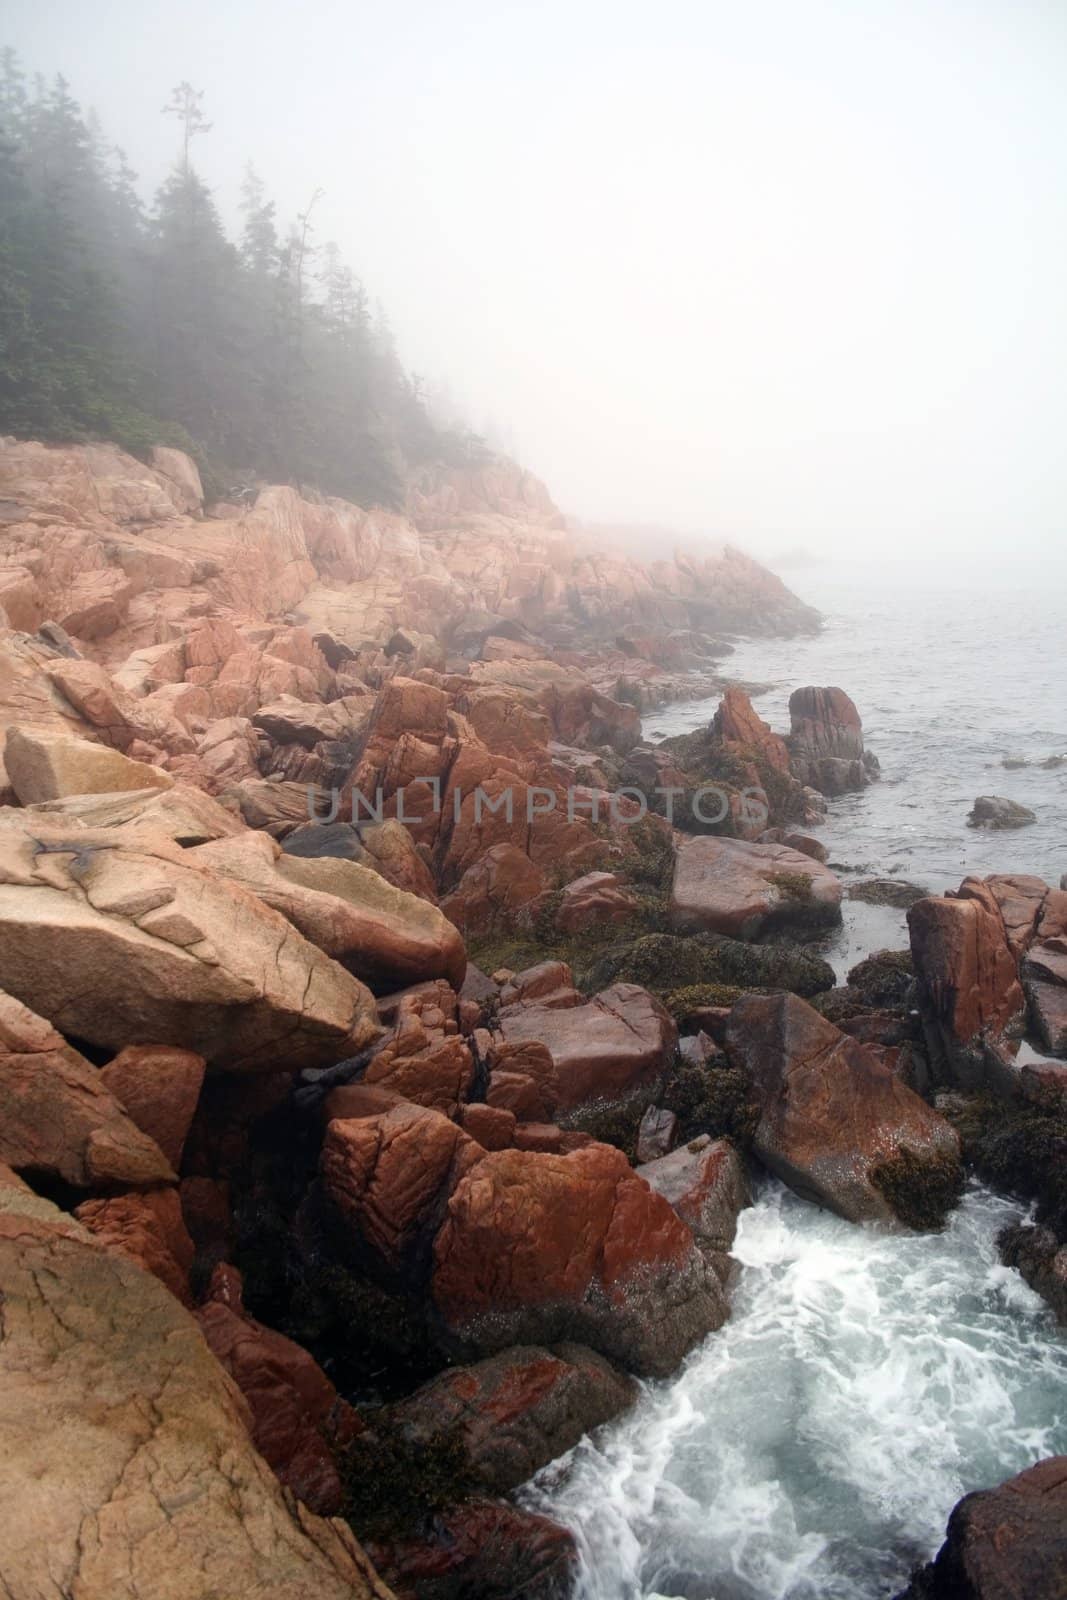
x: 836, y: 1124
x: 994, y: 811
x: 1005, y: 1543
x: 705, y: 1182
x: 389, y: 1178
x: 968, y: 983
x: 803, y: 842
x: 745, y: 891
x: 621, y: 1038
x: 172, y: 1485
x: 515, y: 1412
x: 482, y: 1548
x: 538, y: 1248
x: 1041, y: 1257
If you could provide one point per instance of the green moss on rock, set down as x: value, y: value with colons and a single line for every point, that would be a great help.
x: 921, y: 1190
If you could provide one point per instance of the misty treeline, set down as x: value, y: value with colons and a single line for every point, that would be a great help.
x: 149, y: 325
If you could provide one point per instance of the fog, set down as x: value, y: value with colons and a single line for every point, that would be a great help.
x: 787, y: 273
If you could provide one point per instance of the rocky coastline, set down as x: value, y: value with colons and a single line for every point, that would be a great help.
x: 390, y: 1035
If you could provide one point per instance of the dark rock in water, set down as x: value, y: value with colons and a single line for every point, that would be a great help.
x: 1008, y: 1543
x: 1013, y: 763
x: 515, y: 1412
x: 480, y: 1548
x: 826, y: 742
x: 895, y: 892
x: 835, y: 1123
x: 994, y: 811
x: 1042, y: 1259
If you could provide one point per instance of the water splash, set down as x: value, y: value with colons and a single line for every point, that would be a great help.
x: 813, y: 1449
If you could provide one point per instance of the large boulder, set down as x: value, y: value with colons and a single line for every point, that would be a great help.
x: 49, y: 766
x: 826, y: 741
x: 835, y: 1123
x: 387, y: 937
x: 117, y: 934
x: 538, y: 1248
x: 748, y: 890
x: 516, y: 1411
x: 58, y: 1119
x: 126, y: 1469
x: 479, y: 1550
x: 1007, y: 1543
x: 620, y: 1039
x: 969, y: 988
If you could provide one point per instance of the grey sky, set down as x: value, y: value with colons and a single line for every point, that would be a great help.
x: 791, y: 271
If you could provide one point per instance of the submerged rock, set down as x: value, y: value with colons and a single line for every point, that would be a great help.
x: 994, y: 811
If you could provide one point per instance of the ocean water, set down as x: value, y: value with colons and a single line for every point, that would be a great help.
x: 813, y: 1448
x: 949, y: 681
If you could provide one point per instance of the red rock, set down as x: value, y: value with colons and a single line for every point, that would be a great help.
x: 523, y: 1079
x: 826, y: 741
x: 300, y: 1425
x: 426, y: 1060
x: 737, y: 723
x: 58, y: 1120
x: 493, y: 889
x: 749, y: 890
x: 481, y: 1548
x: 490, y: 1126
x: 705, y: 1183
x: 1007, y: 1543
x: 148, y: 1229
x: 389, y: 1178
x: 968, y: 983
x: 159, y: 1085
x: 596, y: 900
x: 621, y: 1038
x: 516, y: 1411
x: 543, y: 1247
x: 547, y: 1137
x: 550, y: 983
x: 831, y: 1113
x: 350, y: 1101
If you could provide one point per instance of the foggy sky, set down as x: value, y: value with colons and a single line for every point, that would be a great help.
x: 780, y: 270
